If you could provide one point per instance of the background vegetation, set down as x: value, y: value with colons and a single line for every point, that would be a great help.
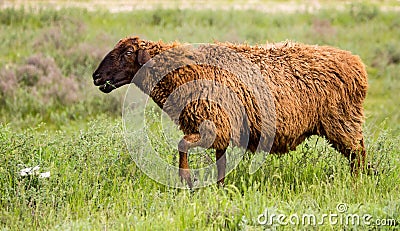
x: 51, y: 115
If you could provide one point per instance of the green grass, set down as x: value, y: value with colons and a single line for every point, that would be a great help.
x: 52, y: 116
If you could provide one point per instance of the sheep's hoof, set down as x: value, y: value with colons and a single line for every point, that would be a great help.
x: 371, y: 169
x: 185, y: 177
x: 221, y: 184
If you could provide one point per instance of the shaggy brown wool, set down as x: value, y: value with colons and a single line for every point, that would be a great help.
x: 316, y: 90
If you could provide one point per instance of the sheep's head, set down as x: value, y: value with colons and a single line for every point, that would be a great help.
x: 121, y: 64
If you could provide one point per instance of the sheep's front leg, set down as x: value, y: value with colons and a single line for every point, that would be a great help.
x: 184, y: 171
x: 221, y: 165
x: 183, y: 147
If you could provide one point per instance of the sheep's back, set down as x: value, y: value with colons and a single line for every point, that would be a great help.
x: 309, y: 83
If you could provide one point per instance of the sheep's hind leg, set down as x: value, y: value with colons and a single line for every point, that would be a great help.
x: 221, y: 165
x: 355, y: 154
x: 360, y: 157
x: 183, y: 147
x: 356, y: 159
x: 347, y: 138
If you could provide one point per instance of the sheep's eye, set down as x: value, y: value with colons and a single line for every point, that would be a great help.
x: 128, y: 53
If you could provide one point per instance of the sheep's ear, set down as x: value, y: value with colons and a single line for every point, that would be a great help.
x: 143, y: 57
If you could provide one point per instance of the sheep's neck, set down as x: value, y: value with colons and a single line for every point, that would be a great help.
x: 156, y: 48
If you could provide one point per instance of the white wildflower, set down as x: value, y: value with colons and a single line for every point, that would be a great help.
x: 44, y: 175
x: 29, y: 171
x: 34, y: 171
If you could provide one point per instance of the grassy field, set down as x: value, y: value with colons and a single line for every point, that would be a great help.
x: 52, y: 116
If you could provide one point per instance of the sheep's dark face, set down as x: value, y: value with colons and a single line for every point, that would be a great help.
x: 120, y: 65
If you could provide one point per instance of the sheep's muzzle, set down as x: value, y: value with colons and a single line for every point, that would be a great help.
x: 107, y: 84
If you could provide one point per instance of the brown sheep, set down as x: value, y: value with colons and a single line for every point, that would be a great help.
x: 316, y: 90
